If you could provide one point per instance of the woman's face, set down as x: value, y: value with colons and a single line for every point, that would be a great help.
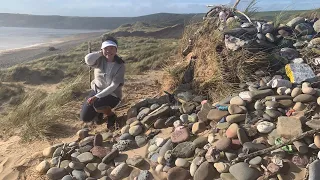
x: 109, y: 52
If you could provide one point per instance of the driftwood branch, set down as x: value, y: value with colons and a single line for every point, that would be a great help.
x: 236, y: 4
x: 121, y: 106
x: 267, y: 150
x: 90, y: 69
x: 244, y: 15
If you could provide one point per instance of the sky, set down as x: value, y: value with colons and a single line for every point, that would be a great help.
x: 130, y: 8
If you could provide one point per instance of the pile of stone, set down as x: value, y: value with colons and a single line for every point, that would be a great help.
x: 293, y: 47
x: 98, y: 156
x: 259, y: 35
x: 88, y: 159
x: 298, y: 33
x: 207, y: 138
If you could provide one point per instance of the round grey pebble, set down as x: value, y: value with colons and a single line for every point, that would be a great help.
x: 81, y: 175
x: 141, y: 141
x: 85, y: 157
x: 67, y: 177
x: 76, y: 165
x: 154, y: 107
x: 184, y: 118
x: 74, y: 156
x: 314, y: 170
x: 73, y: 144
x: 144, y: 175
x: 255, y: 161
x: 54, y: 161
x: 126, y: 136
x: 57, y: 152
x: 102, y: 166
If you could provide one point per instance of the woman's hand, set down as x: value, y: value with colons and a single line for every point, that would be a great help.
x: 92, y: 100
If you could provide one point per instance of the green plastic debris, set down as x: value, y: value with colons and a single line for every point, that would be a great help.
x: 287, y: 148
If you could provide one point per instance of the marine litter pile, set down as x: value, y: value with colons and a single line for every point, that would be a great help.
x: 265, y: 131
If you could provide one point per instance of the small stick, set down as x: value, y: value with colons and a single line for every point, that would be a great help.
x: 90, y: 69
x: 244, y: 16
x: 61, y: 154
x: 122, y: 106
x: 236, y: 4
x: 267, y: 150
x: 71, y: 150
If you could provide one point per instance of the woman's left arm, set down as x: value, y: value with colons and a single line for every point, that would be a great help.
x: 113, y: 86
x: 117, y: 80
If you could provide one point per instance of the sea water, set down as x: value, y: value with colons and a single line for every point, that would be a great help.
x: 19, y: 37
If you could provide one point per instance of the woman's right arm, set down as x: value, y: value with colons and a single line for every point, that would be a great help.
x: 91, y: 58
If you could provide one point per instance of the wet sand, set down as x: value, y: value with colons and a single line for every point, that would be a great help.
x: 16, y: 56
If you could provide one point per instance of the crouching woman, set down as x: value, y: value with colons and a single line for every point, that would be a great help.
x: 107, y: 85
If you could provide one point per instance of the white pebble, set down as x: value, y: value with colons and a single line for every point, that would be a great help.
x: 288, y: 91
x: 211, y: 138
x: 281, y: 90
x: 177, y: 123
x: 159, y: 142
x: 265, y: 127
x: 159, y: 168
x: 193, y: 169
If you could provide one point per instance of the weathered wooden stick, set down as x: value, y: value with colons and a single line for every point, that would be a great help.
x: 267, y: 150
x: 244, y: 15
x: 122, y: 106
x: 90, y: 69
x: 236, y: 4
x: 210, y: 6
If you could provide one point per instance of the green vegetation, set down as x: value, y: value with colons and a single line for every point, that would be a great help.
x: 39, y: 111
x: 285, y: 14
x: 251, y: 9
x: 138, y: 26
x: 11, y: 92
x: 51, y: 69
x: 143, y: 54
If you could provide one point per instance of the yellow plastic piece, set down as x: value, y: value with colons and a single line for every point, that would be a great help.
x: 289, y: 73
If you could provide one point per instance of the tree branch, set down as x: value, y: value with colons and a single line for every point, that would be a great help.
x: 267, y: 150
x: 236, y: 4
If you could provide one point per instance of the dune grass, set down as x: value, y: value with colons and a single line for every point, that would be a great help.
x: 39, y: 111
x: 10, y: 92
x: 142, y: 54
x: 137, y: 26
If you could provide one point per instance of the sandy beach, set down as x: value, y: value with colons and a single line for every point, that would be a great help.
x: 12, y: 57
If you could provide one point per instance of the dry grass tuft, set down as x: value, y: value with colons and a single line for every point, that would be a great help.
x: 309, y: 56
x: 218, y: 71
x: 39, y: 111
x: 9, y: 92
x: 315, y: 13
x: 173, y: 76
